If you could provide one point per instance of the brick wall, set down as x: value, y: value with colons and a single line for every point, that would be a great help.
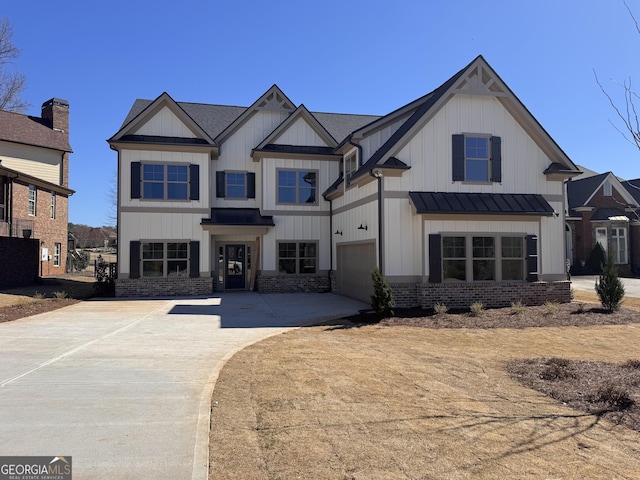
x: 292, y: 283
x: 46, y: 229
x: 19, y: 259
x: 463, y: 294
x: 164, y: 287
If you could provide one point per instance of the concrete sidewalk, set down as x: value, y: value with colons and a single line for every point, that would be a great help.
x: 123, y: 386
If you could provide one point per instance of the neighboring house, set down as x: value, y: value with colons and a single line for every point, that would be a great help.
x: 602, y: 209
x: 457, y: 197
x: 34, y: 180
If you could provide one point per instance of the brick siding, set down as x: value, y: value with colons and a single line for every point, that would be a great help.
x: 164, y: 287
x: 292, y: 283
x: 463, y: 294
x: 46, y: 229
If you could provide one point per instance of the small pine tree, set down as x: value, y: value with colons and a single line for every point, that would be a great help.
x: 609, y: 288
x: 597, y: 259
x: 382, y: 300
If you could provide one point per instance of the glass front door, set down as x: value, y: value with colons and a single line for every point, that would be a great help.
x: 235, y: 267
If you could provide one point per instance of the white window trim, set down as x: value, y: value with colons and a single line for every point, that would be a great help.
x: 616, y: 239
x: 32, y: 203
x: 53, y: 205
x: 497, y: 259
x: 478, y: 135
x: 165, y: 190
x: 57, y: 252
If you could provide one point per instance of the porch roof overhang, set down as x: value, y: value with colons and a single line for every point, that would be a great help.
x: 609, y: 214
x: 481, y: 203
x: 246, y: 221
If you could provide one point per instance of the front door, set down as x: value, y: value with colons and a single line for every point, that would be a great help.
x: 235, y: 262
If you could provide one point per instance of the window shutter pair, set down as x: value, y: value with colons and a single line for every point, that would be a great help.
x: 435, y: 258
x: 134, y: 259
x: 136, y: 181
x: 457, y: 149
x: 221, y: 185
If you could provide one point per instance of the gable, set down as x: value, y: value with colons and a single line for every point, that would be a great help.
x: 301, y: 133
x: 165, y: 123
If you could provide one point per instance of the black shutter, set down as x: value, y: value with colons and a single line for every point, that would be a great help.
x: 532, y: 258
x: 134, y: 259
x: 457, y: 149
x: 194, y: 259
x: 435, y: 258
x: 194, y: 182
x: 251, y: 185
x: 496, y: 159
x: 220, y: 187
x: 135, y: 179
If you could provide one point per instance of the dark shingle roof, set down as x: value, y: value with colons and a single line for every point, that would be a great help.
x: 579, y: 191
x: 312, y: 150
x: 214, y: 119
x: 28, y: 130
x: 480, y: 203
x: 633, y: 187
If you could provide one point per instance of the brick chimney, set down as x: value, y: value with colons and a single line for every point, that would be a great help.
x: 55, y: 113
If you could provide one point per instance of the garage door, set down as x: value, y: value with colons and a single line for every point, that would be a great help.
x: 355, y: 264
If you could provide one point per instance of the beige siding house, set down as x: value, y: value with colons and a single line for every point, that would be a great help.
x: 456, y: 197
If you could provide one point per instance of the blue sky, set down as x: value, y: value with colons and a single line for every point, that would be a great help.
x: 345, y: 56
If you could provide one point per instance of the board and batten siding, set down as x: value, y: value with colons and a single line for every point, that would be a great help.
x: 347, y: 221
x: 327, y: 174
x: 162, y: 227
x: 372, y: 142
x: 300, y: 133
x: 187, y: 158
x: 165, y: 124
x: 38, y: 162
x: 429, y: 151
x: 296, y: 228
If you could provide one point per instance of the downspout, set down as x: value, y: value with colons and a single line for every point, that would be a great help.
x: 377, y: 174
x: 330, y: 242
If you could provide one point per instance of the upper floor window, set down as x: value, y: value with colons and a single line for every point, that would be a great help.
x: 162, y: 181
x: 297, y: 186
x: 476, y: 158
x: 31, y: 205
x: 3, y: 200
x: 168, y: 182
x: 235, y: 185
x: 53, y: 204
x: 350, y: 165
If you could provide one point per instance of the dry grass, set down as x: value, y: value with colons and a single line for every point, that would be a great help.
x: 372, y: 401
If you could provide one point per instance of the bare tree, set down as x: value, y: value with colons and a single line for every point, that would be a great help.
x: 12, y: 83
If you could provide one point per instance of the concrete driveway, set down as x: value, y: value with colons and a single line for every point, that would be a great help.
x: 123, y: 386
x: 587, y: 283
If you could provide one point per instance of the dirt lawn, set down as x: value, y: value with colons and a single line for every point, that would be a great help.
x: 402, y: 402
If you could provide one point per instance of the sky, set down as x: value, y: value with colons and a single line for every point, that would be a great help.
x: 342, y: 56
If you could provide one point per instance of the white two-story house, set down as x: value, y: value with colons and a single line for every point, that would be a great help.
x: 457, y: 197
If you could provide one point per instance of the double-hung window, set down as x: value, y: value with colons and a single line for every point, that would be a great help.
x: 31, y: 205
x: 619, y: 244
x: 297, y: 257
x: 53, y: 204
x: 297, y: 187
x: 57, y: 249
x: 235, y: 185
x: 165, y: 259
x: 477, y: 158
x: 350, y: 165
x: 165, y: 182
x: 483, y: 258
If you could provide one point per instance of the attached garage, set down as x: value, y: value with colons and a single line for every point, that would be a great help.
x: 355, y: 264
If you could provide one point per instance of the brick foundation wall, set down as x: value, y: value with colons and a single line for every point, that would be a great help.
x: 462, y: 295
x: 19, y: 260
x: 164, y: 287
x: 292, y: 283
